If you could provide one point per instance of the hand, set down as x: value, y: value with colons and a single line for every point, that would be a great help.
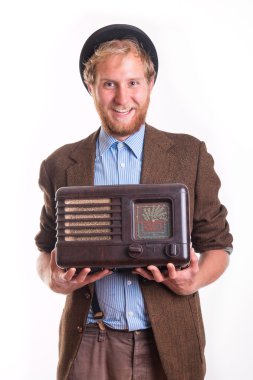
x: 66, y: 282
x: 182, y: 282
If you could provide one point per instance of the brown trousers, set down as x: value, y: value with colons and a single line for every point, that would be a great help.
x: 116, y: 355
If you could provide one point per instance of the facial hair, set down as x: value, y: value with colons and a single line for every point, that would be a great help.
x: 123, y: 129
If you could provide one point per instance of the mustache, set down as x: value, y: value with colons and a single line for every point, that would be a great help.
x: 123, y: 109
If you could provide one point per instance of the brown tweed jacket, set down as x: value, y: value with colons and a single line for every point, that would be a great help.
x: 176, y: 320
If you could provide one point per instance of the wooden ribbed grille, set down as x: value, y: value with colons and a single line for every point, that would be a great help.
x: 89, y: 219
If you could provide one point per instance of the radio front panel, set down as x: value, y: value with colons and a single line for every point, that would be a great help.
x: 122, y: 226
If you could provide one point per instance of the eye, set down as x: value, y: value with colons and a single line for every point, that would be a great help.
x: 133, y: 83
x: 109, y: 84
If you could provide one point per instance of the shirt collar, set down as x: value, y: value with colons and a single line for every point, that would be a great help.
x: 134, y: 142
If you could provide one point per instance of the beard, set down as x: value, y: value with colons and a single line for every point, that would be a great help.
x: 123, y: 128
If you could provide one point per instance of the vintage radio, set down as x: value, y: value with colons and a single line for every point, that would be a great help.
x: 124, y: 226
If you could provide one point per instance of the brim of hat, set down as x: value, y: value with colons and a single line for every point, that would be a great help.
x: 118, y: 32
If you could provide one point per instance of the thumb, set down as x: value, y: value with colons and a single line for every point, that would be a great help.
x: 53, y: 259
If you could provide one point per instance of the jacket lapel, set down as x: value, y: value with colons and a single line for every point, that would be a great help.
x: 81, y: 173
x: 159, y: 163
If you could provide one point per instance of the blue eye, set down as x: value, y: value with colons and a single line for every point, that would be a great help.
x: 109, y: 84
x: 134, y: 83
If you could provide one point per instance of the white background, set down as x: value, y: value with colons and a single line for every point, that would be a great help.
x: 204, y: 87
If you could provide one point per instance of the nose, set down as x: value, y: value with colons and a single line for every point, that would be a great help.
x: 121, y: 95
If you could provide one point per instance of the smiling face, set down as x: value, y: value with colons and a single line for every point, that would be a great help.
x: 121, y: 94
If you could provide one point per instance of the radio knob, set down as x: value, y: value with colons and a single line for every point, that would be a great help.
x: 135, y: 250
x: 172, y: 250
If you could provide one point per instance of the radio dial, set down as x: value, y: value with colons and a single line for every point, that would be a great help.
x: 172, y: 250
x: 135, y: 250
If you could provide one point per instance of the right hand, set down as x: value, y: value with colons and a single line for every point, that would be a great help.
x: 65, y: 282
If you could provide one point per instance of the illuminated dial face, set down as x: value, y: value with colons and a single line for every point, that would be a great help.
x: 152, y: 220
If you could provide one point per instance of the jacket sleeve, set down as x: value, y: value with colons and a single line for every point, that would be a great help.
x: 46, y: 238
x: 210, y: 227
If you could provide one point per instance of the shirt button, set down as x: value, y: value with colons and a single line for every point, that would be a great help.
x: 79, y: 329
x: 129, y: 282
x: 130, y: 313
x: 122, y: 164
x: 87, y: 296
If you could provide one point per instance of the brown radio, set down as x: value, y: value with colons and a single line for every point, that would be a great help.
x: 123, y: 226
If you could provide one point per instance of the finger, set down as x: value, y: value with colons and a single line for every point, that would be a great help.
x: 55, y: 270
x: 92, y: 277
x: 53, y: 259
x: 143, y: 272
x: 171, y: 271
x: 157, y: 275
x: 194, y: 263
x: 81, y: 276
x: 99, y: 275
x: 68, y: 276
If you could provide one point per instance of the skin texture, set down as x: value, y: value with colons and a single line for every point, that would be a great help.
x: 61, y: 281
x: 201, y: 272
x: 121, y: 96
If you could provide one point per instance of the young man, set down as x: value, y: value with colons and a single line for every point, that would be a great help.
x: 153, y: 321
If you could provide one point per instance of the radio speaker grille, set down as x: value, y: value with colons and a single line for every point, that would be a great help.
x: 91, y: 219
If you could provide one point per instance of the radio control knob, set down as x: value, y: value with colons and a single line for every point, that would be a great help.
x: 172, y: 250
x: 135, y: 250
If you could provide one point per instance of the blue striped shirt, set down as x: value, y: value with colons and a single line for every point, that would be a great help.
x: 119, y: 294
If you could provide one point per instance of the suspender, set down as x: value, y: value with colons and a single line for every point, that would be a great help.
x: 98, y: 315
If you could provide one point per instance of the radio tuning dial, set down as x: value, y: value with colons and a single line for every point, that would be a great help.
x: 172, y: 250
x: 135, y: 250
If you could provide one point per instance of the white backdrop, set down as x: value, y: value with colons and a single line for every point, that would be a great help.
x: 204, y: 88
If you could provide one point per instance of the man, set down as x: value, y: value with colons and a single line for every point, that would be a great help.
x: 153, y: 321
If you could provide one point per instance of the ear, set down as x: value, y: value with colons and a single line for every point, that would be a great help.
x: 90, y: 88
x: 151, y: 83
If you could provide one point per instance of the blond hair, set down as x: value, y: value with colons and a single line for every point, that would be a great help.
x: 117, y: 47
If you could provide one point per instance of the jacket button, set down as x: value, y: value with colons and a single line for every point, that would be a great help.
x: 87, y: 296
x: 79, y: 329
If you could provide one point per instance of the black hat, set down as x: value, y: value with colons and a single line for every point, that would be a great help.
x: 118, y: 32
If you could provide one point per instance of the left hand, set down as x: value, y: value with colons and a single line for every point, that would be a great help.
x: 182, y: 282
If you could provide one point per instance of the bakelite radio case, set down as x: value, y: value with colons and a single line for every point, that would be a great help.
x: 124, y: 226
